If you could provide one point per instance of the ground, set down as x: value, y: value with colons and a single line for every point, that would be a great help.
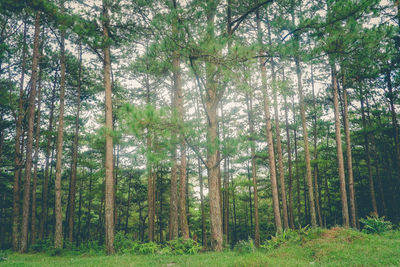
x: 334, y: 247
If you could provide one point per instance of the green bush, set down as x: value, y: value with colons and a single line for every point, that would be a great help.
x: 123, y: 244
x: 41, y: 245
x: 146, y: 248
x: 55, y: 252
x: 375, y: 225
x: 245, y: 246
x: 92, y: 248
x: 181, y: 246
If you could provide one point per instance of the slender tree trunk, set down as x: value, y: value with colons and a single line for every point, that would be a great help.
x: 109, y: 181
x: 75, y: 155
x: 35, y: 160
x: 271, y: 156
x: 78, y: 236
x: 58, y: 235
x: 278, y: 138
x: 128, y: 204
x: 88, y: 214
x: 342, y: 179
x: 18, y: 154
x: 289, y: 151
x: 349, y: 157
x: 29, y: 145
x: 253, y: 167
x: 296, y: 164
x: 45, y: 188
x: 368, y: 157
x: 306, y: 148
x: 316, y: 184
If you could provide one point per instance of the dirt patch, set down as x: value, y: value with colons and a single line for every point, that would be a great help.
x: 332, y: 233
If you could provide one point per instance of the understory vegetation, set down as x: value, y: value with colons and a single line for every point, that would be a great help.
x: 307, y: 246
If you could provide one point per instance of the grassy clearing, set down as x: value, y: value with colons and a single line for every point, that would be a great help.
x: 334, y: 247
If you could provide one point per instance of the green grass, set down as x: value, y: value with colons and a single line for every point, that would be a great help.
x: 335, y: 247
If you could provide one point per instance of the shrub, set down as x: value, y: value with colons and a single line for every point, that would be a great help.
x: 41, y: 245
x: 123, y: 244
x: 375, y: 225
x: 181, y: 246
x: 245, y: 246
x: 55, y: 252
x: 92, y: 247
x: 146, y: 248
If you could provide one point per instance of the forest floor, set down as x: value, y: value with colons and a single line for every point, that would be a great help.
x: 334, y: 247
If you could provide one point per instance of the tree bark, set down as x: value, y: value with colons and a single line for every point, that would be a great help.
x: 342, y: 179
x: 306, y: 148
x: 18, y: 154
x: 316, y: 184
x: 271, y: 156
x: 349, y: 157
x: 35, y: 160
x: 253, y: 168
x: 368, y: 157
x: 29, y: 145
x: 72, y: 192
x: 109, y: 180
x: 289, y: 151
x: 45, y: 188
x: 278, y: 137
x: 58, y: 235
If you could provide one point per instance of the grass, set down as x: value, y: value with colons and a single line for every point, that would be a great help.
x: 334, y: 247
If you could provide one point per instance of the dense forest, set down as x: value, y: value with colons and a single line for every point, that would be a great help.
x: 216, y: 121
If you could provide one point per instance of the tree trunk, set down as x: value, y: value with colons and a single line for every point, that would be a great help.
x: 368, y: 157
x: 306, y: 149
x: 45, y: 188
x: 181, y: 114
x: 296, y: 162
x: 88, y: 214
x: 18, y: 154
x: 128, y: 204
x: 316, y: 184
x: 289, y: 151
x: 253, y: 167
x: 29, y: 145
x: 109, y: 190
x: 342, y: 179
x: 35, y: 160
x: 278, y: 137
x: 349, y: 157
x: 271, y: 156
x: 75, y: 155
x: 213, y: 96
x: 58, y: 236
